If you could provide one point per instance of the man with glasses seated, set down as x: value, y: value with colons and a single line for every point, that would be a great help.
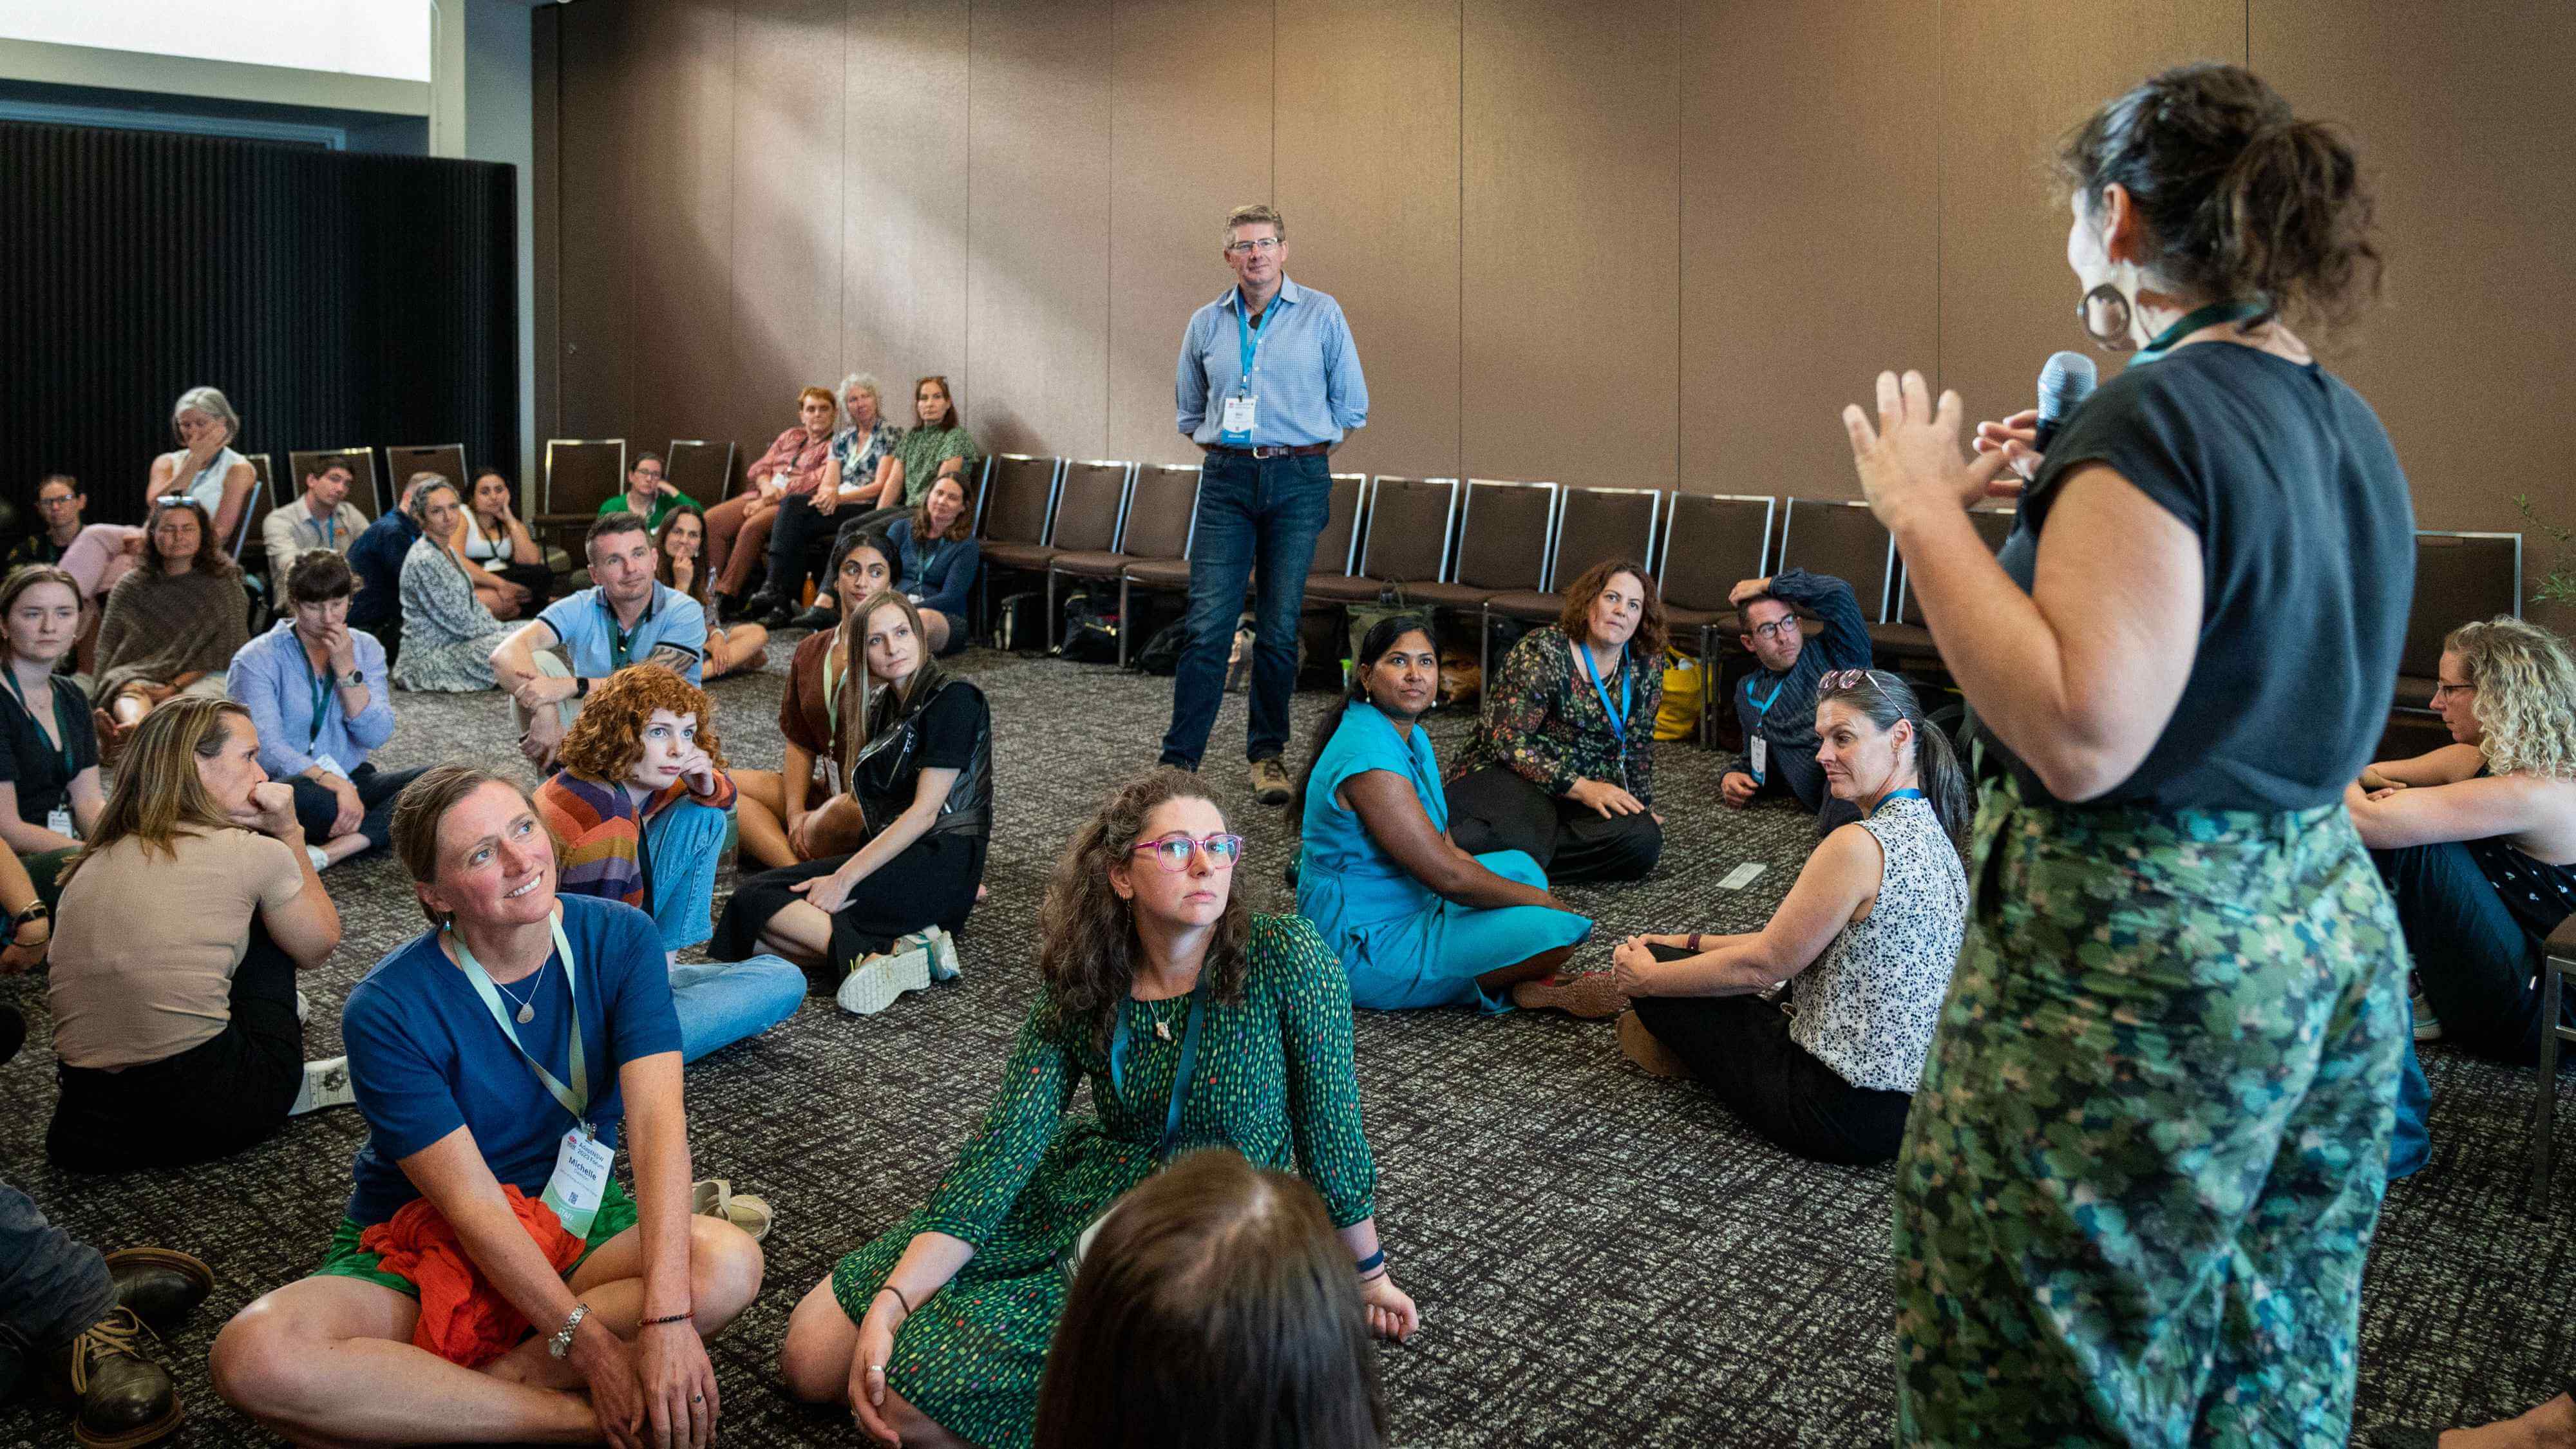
x: 59, y: 501
x: 1775, y: 705
x: 648, y: 494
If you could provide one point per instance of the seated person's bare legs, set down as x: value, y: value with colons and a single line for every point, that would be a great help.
x: 760, y: 811
x: 816, y: 1362
x: 329, y: 1360
x: 741, y: 646
x: 2551, y: 1426
x: 934, y: 625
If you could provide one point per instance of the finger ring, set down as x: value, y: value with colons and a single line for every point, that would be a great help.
x: 876, y: 1368
x: 697, y: 1398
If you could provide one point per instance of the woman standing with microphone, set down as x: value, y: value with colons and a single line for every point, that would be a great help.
x: 2143, y: 1168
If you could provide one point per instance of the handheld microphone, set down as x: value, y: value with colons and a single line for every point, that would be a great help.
x: 2064, y: 384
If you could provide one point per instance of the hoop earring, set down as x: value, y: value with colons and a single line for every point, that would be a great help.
x: 2109, y: 298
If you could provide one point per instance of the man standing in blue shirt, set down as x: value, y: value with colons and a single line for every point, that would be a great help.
x: 1269, y: 382
x: 625, y: 617
x: 1776, y: 703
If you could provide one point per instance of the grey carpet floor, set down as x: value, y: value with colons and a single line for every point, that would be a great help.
x: 1601, y: 1258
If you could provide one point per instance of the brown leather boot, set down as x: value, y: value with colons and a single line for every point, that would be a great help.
x: 119, y: 1397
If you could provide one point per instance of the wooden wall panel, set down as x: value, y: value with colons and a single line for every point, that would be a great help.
x: 1183, y: 151
x: 787, y: 188
x: 1810, y: 226
x: 545, y: 125
x: 2460, y: 117
x: 1037, y: 286
x: 2018, y: 74
x: 1368, y: 156
x: 596, y: 215
x: 1570, y: 243
x: 680, y: 160
x: 904, y: 216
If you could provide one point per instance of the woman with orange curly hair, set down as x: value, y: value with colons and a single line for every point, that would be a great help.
x: 638, y: 815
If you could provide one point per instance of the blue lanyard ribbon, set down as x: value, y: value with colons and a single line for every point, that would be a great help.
x: 62, y: 727
x: 1764, y: 708
x: 1627, y: 681
x: 329, y: 528
x: 322, y: 690
x: 575, y: 1098
x: 1248, y: 339
x: 1180, y: 1078
x: 1892, y: 796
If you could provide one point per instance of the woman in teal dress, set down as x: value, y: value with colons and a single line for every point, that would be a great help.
x: 1143, y: 941
x: 1416, y: 920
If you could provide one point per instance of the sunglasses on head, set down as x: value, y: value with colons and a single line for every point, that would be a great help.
x: 1848, y: 679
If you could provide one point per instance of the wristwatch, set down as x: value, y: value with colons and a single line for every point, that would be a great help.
x: 561, y: 1343
x: 35, y: 911
x: 353, y: 679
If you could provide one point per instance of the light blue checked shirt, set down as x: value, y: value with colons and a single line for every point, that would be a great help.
x: 1306, y: 383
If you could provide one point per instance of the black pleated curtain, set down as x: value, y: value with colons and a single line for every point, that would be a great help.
x: 339, y: 300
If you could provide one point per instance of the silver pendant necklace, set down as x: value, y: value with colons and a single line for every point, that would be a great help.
x: 527, y: 1008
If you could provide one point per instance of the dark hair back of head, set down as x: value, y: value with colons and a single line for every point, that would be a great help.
x: 1381, y: 637
x: 1215, y: 1308
x: 319, y: 575
x: 1883, y: 699
x: 2241, y: 199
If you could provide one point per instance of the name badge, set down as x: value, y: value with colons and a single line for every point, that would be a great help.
x: 59, y: 821
x: 1761, y: 758
x: 1237, y: 421
x: 580, y: 1180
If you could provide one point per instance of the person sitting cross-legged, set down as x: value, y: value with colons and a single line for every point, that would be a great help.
x: 492, y: 1282
x: 448, y: 634
x: 1867, y: 938
x: 317, y: 690
x: 917, y: 747
x: 185, y: 919
x: 638, y: 815
x: 794, y: 814
x: 1156, y: 979
x: 1561, y: 766
x: 625, y: 617
x: 1416, y: 920
x: 171, y: 626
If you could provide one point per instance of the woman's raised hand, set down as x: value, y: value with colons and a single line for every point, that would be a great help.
x: 1912, y: 459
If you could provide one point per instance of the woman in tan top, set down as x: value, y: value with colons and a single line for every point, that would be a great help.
x: 184, y: 920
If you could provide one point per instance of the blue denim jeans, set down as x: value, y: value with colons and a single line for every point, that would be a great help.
x: 1257, y: 524
x: 718, y: 1002
x: 52, y: 1286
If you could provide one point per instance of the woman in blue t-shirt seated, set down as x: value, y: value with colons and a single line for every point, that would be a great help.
x: 475, y: 1049
x: 1416, y: 920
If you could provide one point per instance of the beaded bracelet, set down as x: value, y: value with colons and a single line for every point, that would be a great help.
x: 674, y: 1318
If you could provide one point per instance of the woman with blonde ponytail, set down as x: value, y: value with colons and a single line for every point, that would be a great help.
x: 1865, y: 941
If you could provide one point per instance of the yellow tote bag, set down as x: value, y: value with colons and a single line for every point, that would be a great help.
x: 1678, y: 717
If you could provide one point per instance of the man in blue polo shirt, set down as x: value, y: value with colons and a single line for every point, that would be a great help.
x: 1269, y: 383
x: 625, y: 617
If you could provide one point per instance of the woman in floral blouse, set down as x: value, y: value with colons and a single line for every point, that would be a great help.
x: 1148, y: 961
x: 1562, y: 764
x: 738, y: 528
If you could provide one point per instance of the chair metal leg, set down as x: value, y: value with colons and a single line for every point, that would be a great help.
x: 1122, y: 621
x: 1707, y: 685
x: 1050, y: 611
x: 2544, y: 1110
x: 1484, y: 652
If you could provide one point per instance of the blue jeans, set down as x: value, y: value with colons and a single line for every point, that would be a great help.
x: 51, y: 1287
x: 718, y: 1002
x: 1257, y: 524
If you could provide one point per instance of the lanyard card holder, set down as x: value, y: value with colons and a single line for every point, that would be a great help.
x: 580, y: 1181
x: 1069, y: 1261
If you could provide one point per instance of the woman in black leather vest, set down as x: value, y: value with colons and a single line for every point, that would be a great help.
x: 917, y: 743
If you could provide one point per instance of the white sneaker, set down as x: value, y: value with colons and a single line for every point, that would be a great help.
x: 943, y: 953
x: 303, y: 1008
x: 873, y: 985
x: 320, y: 861
x: 326, y: 1084
x: 2426, y: 1028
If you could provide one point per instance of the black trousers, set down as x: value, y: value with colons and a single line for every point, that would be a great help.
x: 536, y: 578
x: 209, y: 1101
x: 930, y: 883
x: 317, y: 809
x: 1739, y: 1048
x: 800, y: 542
x: 1495, y: 809
x: 2479, y: 967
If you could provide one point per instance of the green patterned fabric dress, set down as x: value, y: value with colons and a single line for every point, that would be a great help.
x: 1274, y: 1083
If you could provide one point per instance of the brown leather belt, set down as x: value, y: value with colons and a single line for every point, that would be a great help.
x: 1300, y: 450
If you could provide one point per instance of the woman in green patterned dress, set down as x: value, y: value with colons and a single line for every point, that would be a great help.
x: 1142, y: 936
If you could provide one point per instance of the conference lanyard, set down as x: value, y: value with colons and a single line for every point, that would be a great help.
x: 321, y: 694
x: 1892, y: 796
x: 1247, y: 338
x: 621, y: 642
x: 2209, y: 316
x: 1180, y: 1078
x: 575, y: 1098
x: 62, y: 726
x: 329, y: 528
x: 1619, y: 716
x: 1763, y: 710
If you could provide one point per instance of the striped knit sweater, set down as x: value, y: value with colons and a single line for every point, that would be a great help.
x: 598, y: 832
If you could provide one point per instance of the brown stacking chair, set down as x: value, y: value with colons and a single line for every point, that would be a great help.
x: 1846, y: 540
x: 1593, y: 526
x: 447, y: 460
x: 252, y: 553
x: 701, y: 469
x: 1013, y: 511
x: 1502, y: 546
x: 1153, y: 545
x: 1090, y: 514
x: 2459, y: 577
x: 366, y: 488
x: 581, y: 474
x: 1331, y: 580
x: 1722, y: 539
x: 2557, y: 969
x: 1411, y: 523
x: 1904, y: 639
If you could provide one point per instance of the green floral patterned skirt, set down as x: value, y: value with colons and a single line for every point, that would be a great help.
x: 2141, y: 1174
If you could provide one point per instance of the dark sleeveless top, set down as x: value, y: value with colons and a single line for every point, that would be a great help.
x: 2540, y: 895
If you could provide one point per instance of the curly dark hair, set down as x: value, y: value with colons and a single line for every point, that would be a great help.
x: 608, y: 737
x: 1087, y: 940
x: 1576, y: 621
x: 211, y: 557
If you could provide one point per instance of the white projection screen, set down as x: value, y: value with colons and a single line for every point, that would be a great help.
x: 389, y: 39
